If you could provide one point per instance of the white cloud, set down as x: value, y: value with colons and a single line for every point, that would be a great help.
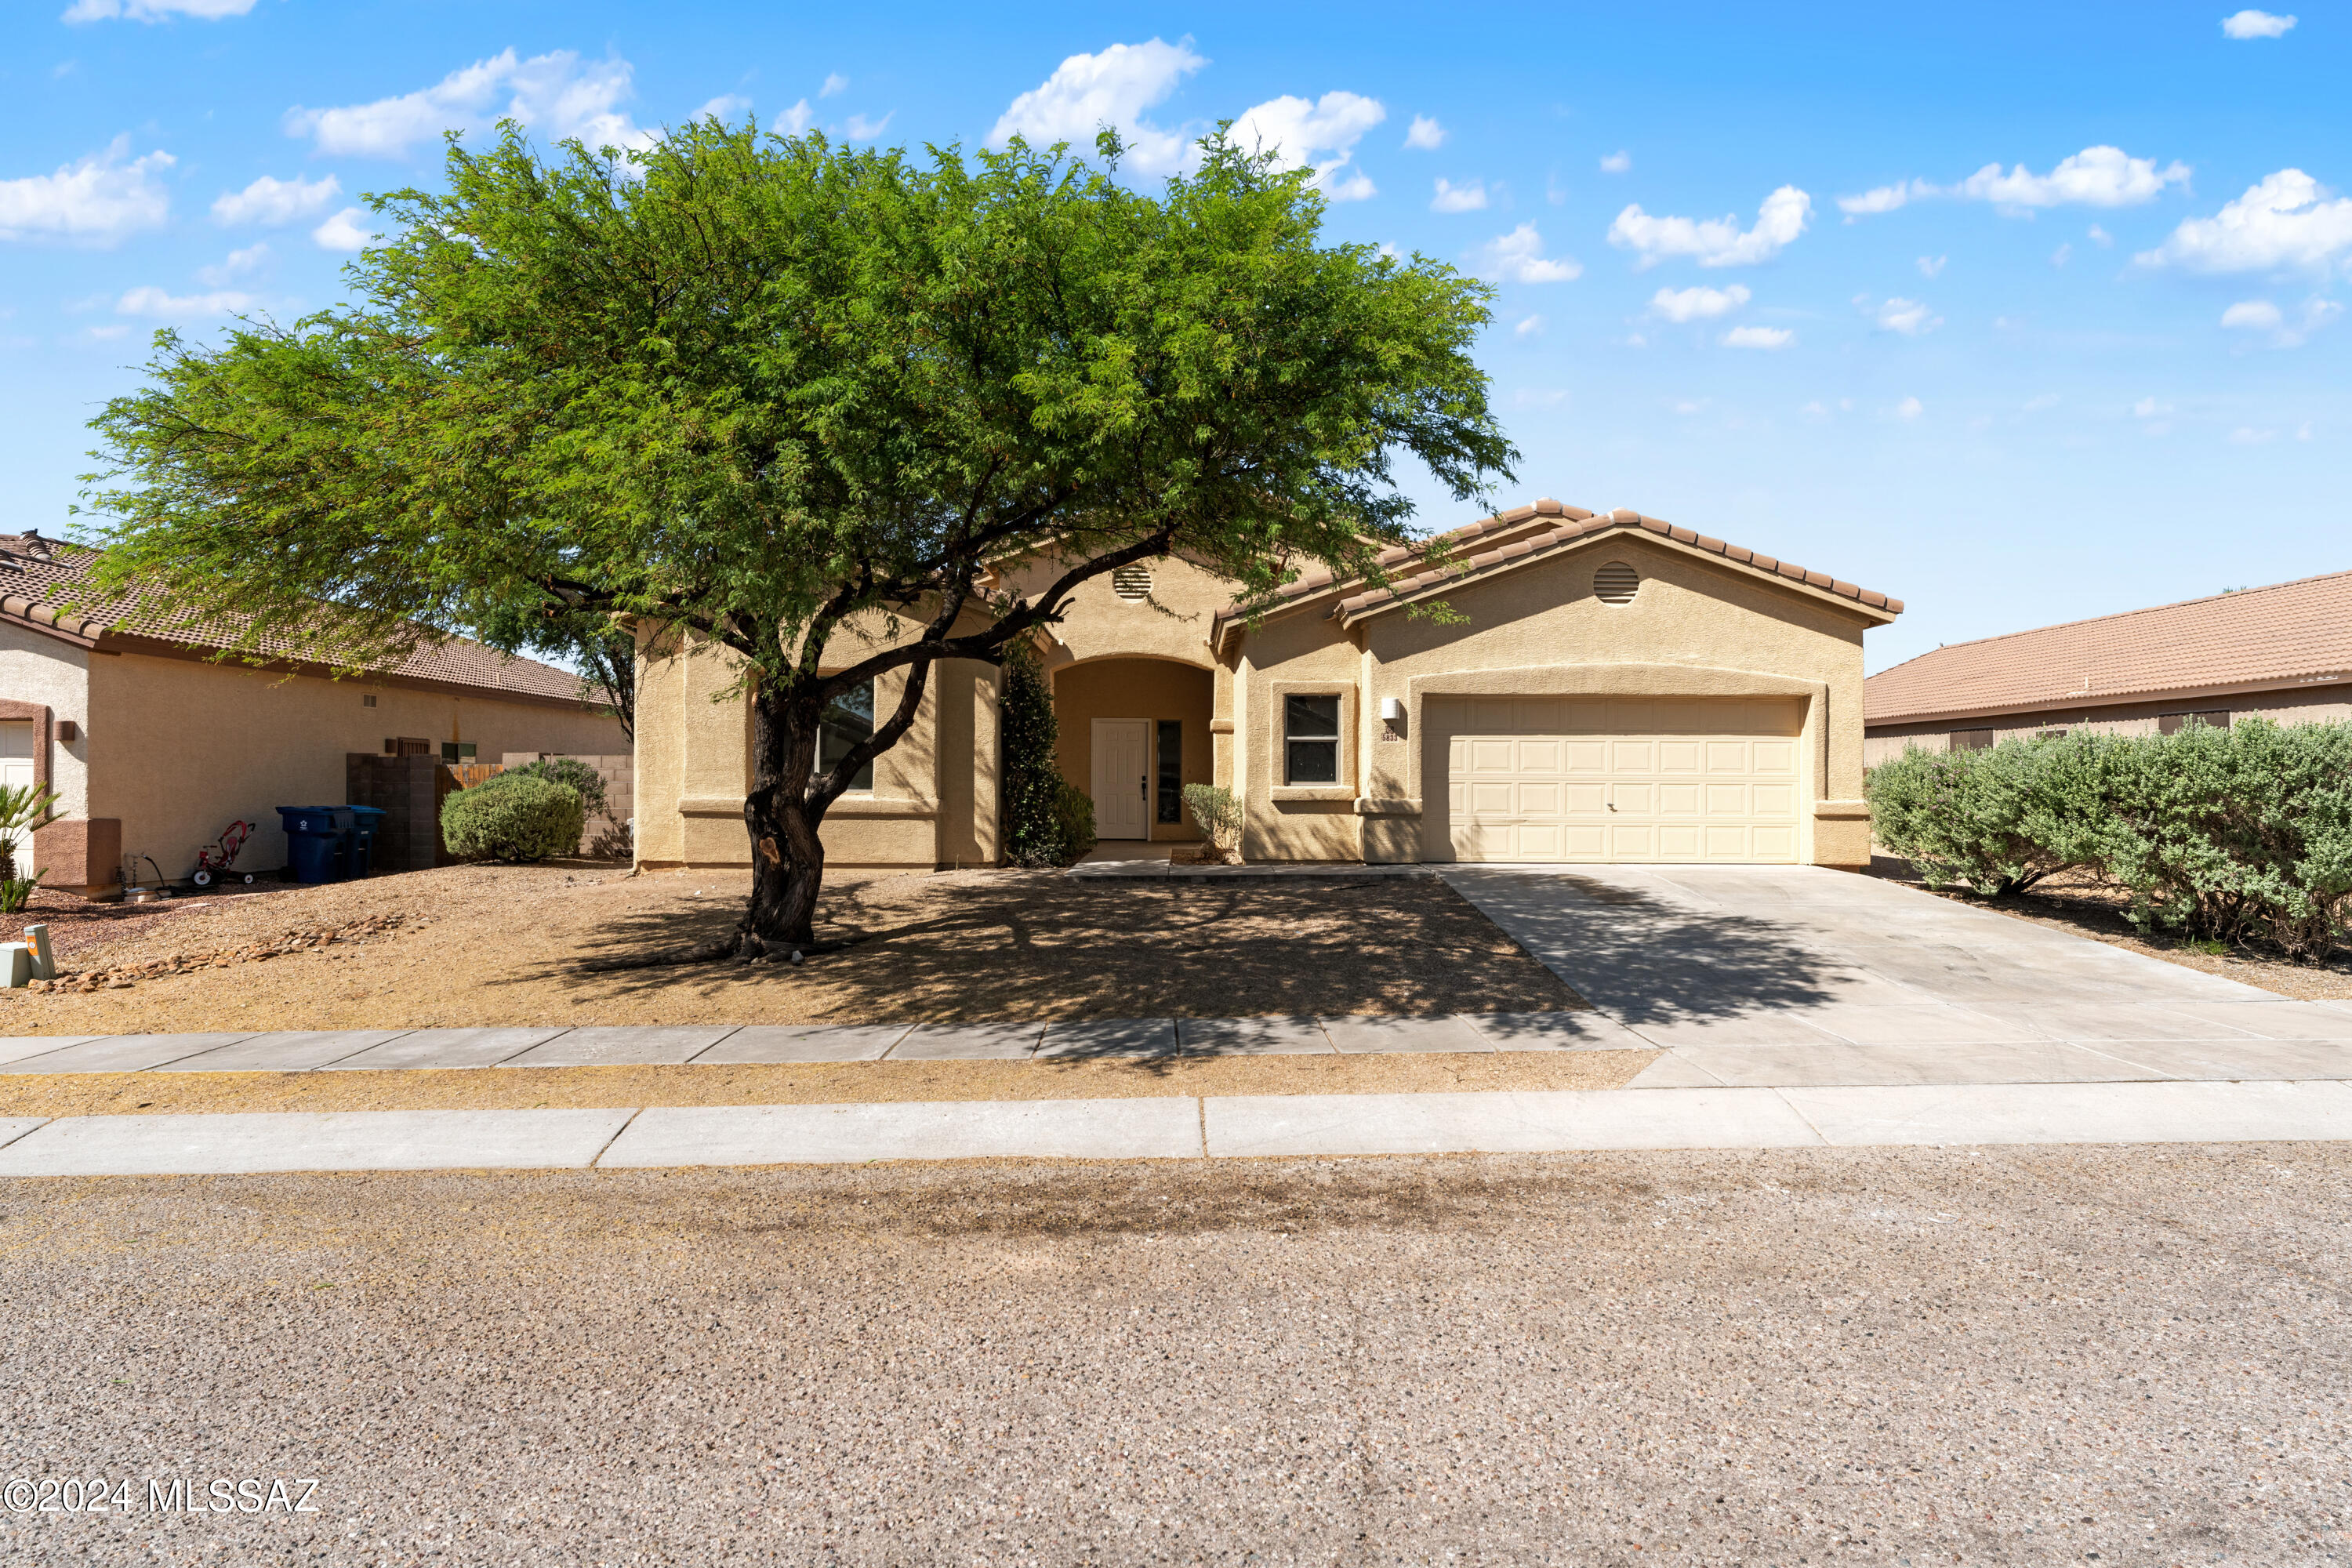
x: 1716, y: 242
x: 1617, y: 163
x: 1758, y: 337
x: 2262, y: 316
x: 1692, y: 404
x: 2100, y: 237
x: 861, y: 129
x: 1909, y: 408
x: 344, y: 231
x: 2247, y: 436
x: 2283, y: 224
x: 1697, y: 304
x: 1518, y: 258
x: 2095, y: 177
x: 164, y: 306
x: 1531, y: 327
x: 2037, y: 404
x: 2059, y: 256
x: 2256, y: 24
x: 2149, y: 408
x: 1932, y: 265
x: 202, y: 10
x: 1454, y: 198
x: 273, y: 201
x: 834, y: 82
x: 1908, y: 317
x: 558, y: 94
x: 1879, y: 199
x: 723, y: 108
x: 797, y: 118
x: 1302, y: 134
x: 1114, y: 88
x: 2303, y: 431
x: 1425, y: 133
x: 99, y: 200
x: 235, y: 265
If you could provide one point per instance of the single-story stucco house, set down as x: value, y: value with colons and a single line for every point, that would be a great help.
x: 2282, y: 652
x: 1607, y: 687
x: 154, y: 747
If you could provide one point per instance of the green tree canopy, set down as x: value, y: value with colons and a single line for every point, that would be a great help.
x: 757, y: 388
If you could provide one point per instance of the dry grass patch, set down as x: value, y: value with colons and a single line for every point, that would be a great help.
x: 818, y: 1083
x: 483, y: 945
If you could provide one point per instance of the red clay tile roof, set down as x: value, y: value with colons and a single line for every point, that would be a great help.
x: 1577, y: 523
x: 39, y: 576
x: 2291, y: 634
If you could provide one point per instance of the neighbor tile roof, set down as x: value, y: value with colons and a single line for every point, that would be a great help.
x: 39, y: 576
x: 2291, y: 634
x: 1576, y: 524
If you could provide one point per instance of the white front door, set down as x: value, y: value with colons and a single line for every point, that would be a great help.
x: 1122, y: 777
x: 16, y: 768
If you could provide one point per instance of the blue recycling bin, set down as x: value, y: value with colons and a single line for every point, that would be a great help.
x: 315, y: 850
x: 365, y: 821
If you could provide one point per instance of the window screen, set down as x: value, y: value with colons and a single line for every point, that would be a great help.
x: 2173, y: 723
x: 1971, y: 739
x: 1171, y: 770
x: 847, y: 719
x: 1310, y: 740
x: 456, y: 751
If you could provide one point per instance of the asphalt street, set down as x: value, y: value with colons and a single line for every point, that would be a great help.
x: 1913, y: 1356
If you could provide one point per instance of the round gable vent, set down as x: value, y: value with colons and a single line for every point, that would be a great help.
x: 1132, y: 584
x: 1616, y: 584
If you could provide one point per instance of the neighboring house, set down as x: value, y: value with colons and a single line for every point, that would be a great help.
x: 2282, y: 652
x: 1611, y: 687
x: 156, y: 747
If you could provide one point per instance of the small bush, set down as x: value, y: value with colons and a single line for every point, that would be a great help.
x: 1219, y: 816
x: 1048, y: 821
x: 514, y: 816
x: 1994, y: 822
x: 1073, y: 823
x: 567, y: 770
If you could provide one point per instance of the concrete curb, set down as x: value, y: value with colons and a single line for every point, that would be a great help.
x: 1179, y: 1127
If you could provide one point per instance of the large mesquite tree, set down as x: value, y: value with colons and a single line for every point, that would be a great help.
x: 781, y: 395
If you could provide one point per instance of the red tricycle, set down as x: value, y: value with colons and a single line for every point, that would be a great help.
x: 213, y: 860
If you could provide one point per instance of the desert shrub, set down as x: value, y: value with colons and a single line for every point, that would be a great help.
x: 567, y: 770
x: 2226, y: 835
x: 1047, y: 821
x: 514, y: 816
x: 1994, y: 821
x: 1219, y: 816
x: 2220, y: 835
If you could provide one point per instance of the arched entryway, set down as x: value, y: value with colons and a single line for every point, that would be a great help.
x: 1134, y: 732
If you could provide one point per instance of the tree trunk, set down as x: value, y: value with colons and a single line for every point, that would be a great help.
x: 787, y: 855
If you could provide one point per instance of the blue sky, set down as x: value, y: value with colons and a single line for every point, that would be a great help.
x: 2019, y: 314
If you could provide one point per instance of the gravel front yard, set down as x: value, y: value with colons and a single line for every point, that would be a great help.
x: 507, y: 945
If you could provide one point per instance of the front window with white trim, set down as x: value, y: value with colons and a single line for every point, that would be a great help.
x: 1310, y: 738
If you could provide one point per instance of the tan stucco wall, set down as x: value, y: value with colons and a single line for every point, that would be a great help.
x: 1150, y: 688
x: 1694, y: 629
x: 55, y: 675
x: 694, y: 766
x: 1172, y: 622
x: 2299, y: 705
x: 178, y: 749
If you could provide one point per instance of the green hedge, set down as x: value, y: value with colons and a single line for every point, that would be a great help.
x: 514, y: 816
x: 2223, y: 834
x: 1048, y: 821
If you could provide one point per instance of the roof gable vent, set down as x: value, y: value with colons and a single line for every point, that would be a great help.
x: 1616, y: 584
x: 1132, y: 584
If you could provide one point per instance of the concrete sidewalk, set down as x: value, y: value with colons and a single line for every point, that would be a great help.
x: 1176, y: 1127
x: 1105, y: 1039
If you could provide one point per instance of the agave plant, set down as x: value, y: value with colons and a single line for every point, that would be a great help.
x: 22, y: 807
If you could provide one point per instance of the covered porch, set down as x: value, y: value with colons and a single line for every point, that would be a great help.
x: 1134, y: 732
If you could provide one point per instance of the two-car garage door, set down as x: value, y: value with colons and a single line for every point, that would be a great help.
x: 1609, y: 779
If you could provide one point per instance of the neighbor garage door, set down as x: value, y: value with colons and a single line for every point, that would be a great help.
x: 1624, y: 780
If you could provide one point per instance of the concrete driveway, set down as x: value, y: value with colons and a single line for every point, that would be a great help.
x: 1795, y: 975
